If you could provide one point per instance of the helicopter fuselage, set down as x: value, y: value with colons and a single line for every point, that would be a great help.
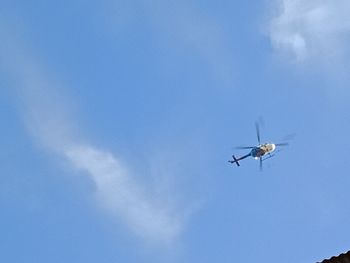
x: 262, y: 150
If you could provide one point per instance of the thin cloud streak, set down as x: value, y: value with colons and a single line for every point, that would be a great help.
x: 45, y: 112
x: 180, y: 23
x: 311, y: 29
x: 122, y: 196
x: 183, y: 25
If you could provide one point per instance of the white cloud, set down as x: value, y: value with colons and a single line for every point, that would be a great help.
x: 123, y: 197
x: 311, y: 29
x: 47, y: 117
x: 184, y: 26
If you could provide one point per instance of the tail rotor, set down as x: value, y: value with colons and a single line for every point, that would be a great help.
x: 235, y: 160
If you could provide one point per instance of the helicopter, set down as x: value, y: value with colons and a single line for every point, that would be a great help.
x: 260, y: 152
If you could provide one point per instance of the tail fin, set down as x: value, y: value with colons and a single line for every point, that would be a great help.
x: 234, y: 160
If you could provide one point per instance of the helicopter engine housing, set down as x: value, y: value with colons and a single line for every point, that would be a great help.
x: 269, y: 147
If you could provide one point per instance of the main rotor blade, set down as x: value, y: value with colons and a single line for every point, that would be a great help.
x: 261, y: 164
x: 244, y: 147
x: 282, y: 144
x: 289, y: 137
x: 257, y: 131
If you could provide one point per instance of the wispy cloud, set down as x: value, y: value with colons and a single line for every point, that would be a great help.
x: 123, y: 197
x: 311, y: 29
x: 183, y: 25
x: 45, y: 112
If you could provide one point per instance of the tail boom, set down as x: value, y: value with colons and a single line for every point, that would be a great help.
x: 236, y: 161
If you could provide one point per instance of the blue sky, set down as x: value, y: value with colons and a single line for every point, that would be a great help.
x: 118, y: 118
